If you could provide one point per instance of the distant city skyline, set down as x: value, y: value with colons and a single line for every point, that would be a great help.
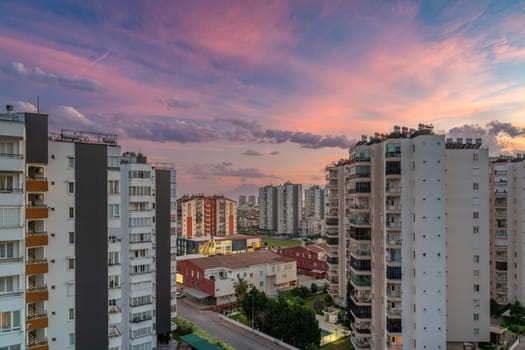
x: 237, y: 92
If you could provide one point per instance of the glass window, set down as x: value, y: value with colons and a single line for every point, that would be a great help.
x: 71, y: 314
x: 71, y: 237
x: 71, y: 263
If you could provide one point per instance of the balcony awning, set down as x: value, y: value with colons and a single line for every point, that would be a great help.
x: 195, y: 293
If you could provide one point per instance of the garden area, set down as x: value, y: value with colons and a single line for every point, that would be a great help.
x: 291, y: 316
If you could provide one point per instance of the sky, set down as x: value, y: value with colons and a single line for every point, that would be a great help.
x: 261, y: 92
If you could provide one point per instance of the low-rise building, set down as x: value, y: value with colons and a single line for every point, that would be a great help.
x: 208, y: 246
x: 311, y: 259
x: 213, y: 278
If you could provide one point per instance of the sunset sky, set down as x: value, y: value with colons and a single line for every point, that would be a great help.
x: 261, y: 92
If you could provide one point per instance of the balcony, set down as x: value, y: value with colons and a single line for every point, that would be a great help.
x: 113, y: 332
x: 393, y: 312
x: 393, y: 294
x: 36, y: 266
x: 363, y: 328
x: 34, y: 343
x: 36, y: 321
x: 360, y: 252
x: 360, y: 343
x: 36, y: 184
x: 35, y: 294
x: 393, y: 325
x: 360, y: 297
x: 393, y: 240
x: 36, y: 239
x: 37, y: 212
x: 393, y: 189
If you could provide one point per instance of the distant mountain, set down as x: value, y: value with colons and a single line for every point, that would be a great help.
x: 242, y: 190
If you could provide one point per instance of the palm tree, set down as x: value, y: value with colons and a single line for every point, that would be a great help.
x: 241, y: 289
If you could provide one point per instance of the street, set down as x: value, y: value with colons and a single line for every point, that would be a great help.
x: 210, y: 322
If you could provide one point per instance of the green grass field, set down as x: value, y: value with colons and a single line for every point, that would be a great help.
x: 280, y: 243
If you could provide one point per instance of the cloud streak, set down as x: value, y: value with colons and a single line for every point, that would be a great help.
x: 19, y: 70
x: 226, y: 169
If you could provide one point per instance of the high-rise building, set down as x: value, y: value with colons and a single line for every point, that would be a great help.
x: 95, y: 234
x: 280, y: 208
x: 242, y: 201
x: 252, y: 200
x: 417, y: 240
x: 314, y: 202
x: 205, y: 216
x: 507, y: 210
x: 268, y: 208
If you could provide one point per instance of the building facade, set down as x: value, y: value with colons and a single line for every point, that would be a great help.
x: 233, y: 244
x: 314, y: 202
x: 507, y: 210
x: 205, y: 216
x: 80, y: 205
x: 406, y: 202
x: 280, y: 208
x: 214, y: 277
x: 311, y: 259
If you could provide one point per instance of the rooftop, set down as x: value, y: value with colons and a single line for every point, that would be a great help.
x: 238, y: 261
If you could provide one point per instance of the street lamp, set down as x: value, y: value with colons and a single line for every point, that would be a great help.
x: 253, y: 314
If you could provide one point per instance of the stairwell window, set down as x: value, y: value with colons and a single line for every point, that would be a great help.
x: 70, y: 263
x: 71, y: 314
x: 71, y: 213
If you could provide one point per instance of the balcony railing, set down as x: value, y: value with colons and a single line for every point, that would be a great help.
x: 11, y: 155
x: 36, y: 343
x: 392, y: 189
x: 11, y: 190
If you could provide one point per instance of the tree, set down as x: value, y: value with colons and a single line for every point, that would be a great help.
x: 313, y: 288
x: 241, y: 288
x: 517, y: 313
x: 256, y: 302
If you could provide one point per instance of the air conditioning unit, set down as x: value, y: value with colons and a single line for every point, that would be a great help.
x: 40, y: 171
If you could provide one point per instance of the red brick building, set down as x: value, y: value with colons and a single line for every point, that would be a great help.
x: 311, y: 259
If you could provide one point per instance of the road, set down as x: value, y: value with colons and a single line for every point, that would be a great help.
x: 210, y: 322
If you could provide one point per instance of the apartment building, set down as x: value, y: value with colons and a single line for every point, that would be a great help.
x: 417, y: 238
x: 314, y: 202
x: 204, y: 216
x: 507, y: 210
x: 280, y: 208
x: 268, y: 208
x: 335, y: 229
x: 310, y: 258
x: 90, y: 281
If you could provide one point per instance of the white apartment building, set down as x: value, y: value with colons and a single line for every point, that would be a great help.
x: 86, y: 279
x: 267, y: 208
x: 417, y: 267
x: 507, y: 228
x: 314, y: 202
x: 280, y: 208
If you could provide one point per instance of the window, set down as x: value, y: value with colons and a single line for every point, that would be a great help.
x: 140, y: 222
x: 70, y: 263
x: 139, y: 174
x: 9, y: 321
x: 7, y: 250
x: 475, y: 200
x: 70, y: 187
x: 144, y: 346
x: 71, y: 213
x: 475, y: 186
x: 9, y: 216
x: 142, y: 300
x: 475, y: 157
x: 140, y: 332
x: 11, y: 347
x: 140, y: 316
x: 6, y: 285
x: 475, y: 215
x: 113, y: 258
x: 476, y: 273
x: 475, y: 171
x: 71, y: 237
x: 114, y: 281
x: 475, y: 229
x: 113, y: 187
x: 113, y: 162
x: 138, y: 269
x: 71, y: 338
x: 7, y: 149
x: 113, y: 211
x: 476, y: 331
x: 476, y: 288
x: 476, y: 258
x: 71, y: 314
x: 476, y: 317
x: 71, y: 162
x: 6, y: 183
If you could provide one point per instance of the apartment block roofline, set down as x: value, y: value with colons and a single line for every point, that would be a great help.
x: 202, y: 196
x: 68, y: 135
